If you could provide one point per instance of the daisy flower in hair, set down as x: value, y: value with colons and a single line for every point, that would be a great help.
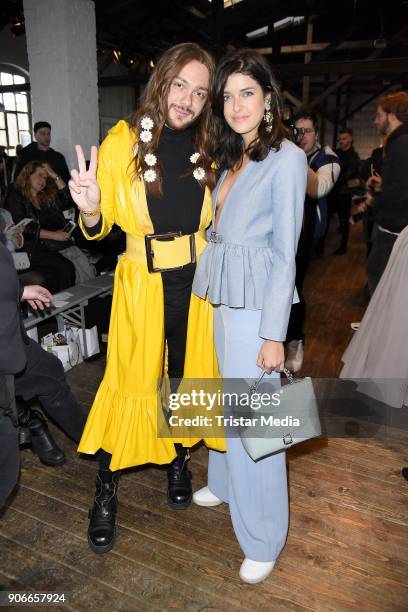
x: 150, y: 176
x: 199, y: 174
x: 150, y: 159
x: 146, y: 136
x: 147, y: 123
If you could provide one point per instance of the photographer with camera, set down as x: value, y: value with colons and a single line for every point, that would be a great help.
x: 323, y: 171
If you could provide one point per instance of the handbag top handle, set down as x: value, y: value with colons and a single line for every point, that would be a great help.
x: 255, y: 384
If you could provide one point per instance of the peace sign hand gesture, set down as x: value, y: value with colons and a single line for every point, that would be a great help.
x: 83, y: 185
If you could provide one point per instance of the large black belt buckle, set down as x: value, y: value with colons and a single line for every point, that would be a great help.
x: 166, y: 237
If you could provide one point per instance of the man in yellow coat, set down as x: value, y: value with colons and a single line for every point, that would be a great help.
x: 153, y: 179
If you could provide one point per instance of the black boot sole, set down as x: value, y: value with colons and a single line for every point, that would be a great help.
x: 99, y: 550
x: 179, y: 506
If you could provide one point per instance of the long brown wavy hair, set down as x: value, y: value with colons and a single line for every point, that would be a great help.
x: 22, y: 184
x: 154, y: 104
x: 227, y: 146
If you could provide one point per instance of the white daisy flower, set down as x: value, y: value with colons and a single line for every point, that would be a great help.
x: 146, y: 136
x: 199, y: 174
x: 194, y: 158
x: 150, y: 159
x: 147, y: 123
x: 149, y: 176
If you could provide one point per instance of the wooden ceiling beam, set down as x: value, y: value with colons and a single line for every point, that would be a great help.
x: 367, y: 66
x: 314, y: 47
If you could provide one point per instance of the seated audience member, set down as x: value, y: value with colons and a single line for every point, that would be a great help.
x: 29, y: 372
x: 40, y: 195
x: 13, y: 241
x: 41, y: 151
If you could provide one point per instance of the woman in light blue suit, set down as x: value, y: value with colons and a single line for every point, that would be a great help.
x: 248, y: 272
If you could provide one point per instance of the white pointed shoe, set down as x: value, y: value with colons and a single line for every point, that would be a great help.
x: 204, y: 497
x: 255, y: 571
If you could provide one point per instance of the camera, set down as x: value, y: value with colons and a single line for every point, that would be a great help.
x: 298, y: 132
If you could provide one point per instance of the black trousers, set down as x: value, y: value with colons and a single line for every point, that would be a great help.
x: 44, y: 378
x: 342, y: 205
x: 55, y: 271
x: 9, y: 457
x: 303, y: 257
x: 9, y: 447
x: 176, y: 307
x: 380, y: 252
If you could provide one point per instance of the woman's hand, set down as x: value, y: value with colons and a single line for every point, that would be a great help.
x: 83, y: 185
x: 52, y: 174
x: 38, y: 297
x: 18, y: 238
x: 50, y: 171
x: 271, y: 356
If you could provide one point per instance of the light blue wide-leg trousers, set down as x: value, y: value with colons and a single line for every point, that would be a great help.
x: 256, y: 492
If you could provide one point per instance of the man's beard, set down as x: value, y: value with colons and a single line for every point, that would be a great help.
x: 385, y: 128
x: 188, y: 120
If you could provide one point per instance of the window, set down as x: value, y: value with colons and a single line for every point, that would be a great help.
x: 15, y: 125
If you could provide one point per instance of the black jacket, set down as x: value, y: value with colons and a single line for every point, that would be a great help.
x: 349, y: 169
x: 49, y: 217
x: 12, y: 354
x: 391, y: 204
x: 56, y: 160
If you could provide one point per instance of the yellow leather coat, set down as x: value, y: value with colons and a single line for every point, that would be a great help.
x: 126, y: 411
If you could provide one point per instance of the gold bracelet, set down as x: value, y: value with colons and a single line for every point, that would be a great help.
x: 90, y: 213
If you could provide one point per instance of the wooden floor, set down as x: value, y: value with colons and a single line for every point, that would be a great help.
x: 347, y: 548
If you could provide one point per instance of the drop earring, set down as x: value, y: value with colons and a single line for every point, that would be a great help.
x: 268, y: 117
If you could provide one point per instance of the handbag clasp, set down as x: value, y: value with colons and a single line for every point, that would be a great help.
x: 287, y: 439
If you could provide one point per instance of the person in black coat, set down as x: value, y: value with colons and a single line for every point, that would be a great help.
x: 41, y: 151
x: 342, y: 191
x: 27, y: 371
x: 388, y: 194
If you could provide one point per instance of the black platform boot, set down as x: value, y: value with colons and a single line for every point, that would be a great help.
x: 179, y: 492
x: 34, y: 430
x: 102, y: 528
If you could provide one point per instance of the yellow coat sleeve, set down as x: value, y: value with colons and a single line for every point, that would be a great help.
x: 109, y: 177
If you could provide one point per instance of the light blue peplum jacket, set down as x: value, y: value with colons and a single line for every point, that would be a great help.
x: 250, y: 261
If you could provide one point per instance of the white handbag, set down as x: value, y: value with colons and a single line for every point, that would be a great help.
x: 278, y: 427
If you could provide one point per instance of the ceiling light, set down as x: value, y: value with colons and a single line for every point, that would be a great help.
x: 257, y: 33
x: 229, y: 3
x: 286, y: 22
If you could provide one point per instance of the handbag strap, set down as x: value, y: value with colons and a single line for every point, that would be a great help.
x: 255, y: 384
